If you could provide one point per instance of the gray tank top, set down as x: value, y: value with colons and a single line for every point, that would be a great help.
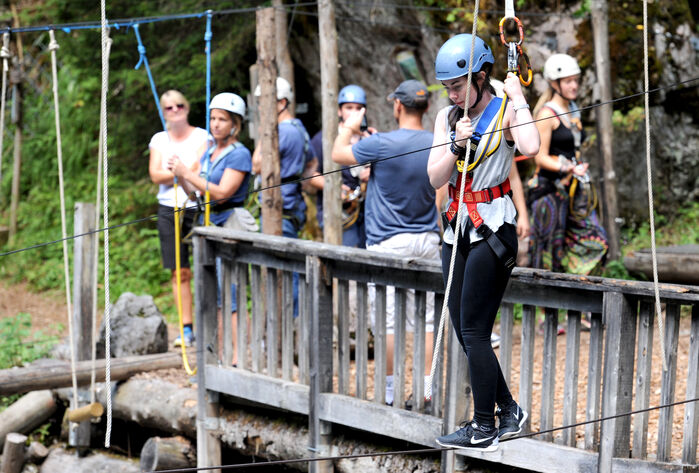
x: 491, y: 172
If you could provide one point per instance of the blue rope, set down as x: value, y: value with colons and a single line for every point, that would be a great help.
x: 143, y: 59
x: 207, y: 39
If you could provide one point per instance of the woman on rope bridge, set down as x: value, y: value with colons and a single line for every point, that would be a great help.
x: 487, y: 240
x: 564, y: 237
x: 224, y: 169
x: 187, y: 143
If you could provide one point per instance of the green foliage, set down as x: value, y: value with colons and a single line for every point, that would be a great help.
x: 17, y: 344
x: 616, y: 269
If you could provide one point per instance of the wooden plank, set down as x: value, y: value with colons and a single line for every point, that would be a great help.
x: 438, y: 378
x: 570, y: 384
x: 208, y: 444
x: 540, y: 295
x: 668, y: 377
x: 259, y: 388
x: 399, y: 347
x: 226, y: 304
x: 380, y: 345
x: 58, y: 374
x: 273, y: 321
x: 526, y: 364
x: 282, y: 262
x: 506, y: 326
x: 620, y: 319
x: 691, y: 409
x: 288, y: 325
x: 361, y: 349
x: 243, y: 319
x: 455, y: 406
x: 385, y: 275
x: 548, y: 376
x: 304, y: 340
x: 644, y: 361
x: 343, y: 345
x: 258, y: 318
x: 594, y: 381
x: 419, y: 351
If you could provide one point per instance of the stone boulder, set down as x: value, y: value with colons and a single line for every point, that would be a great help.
x: 137, y: 328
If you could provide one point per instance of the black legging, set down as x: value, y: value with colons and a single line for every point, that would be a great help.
x: 477, y: 288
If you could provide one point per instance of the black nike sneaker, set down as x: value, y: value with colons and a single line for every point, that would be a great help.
x: 472, y: 437
x: 511, y: 421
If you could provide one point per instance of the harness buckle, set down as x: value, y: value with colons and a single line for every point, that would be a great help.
x: 491, y: 197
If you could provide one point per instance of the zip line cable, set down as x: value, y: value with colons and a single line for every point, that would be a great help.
x: 242, y: 466
x: 295, y: 181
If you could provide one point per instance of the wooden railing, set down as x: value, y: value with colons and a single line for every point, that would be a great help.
x: 303, y: 364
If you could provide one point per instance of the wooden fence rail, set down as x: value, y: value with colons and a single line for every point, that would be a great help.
x: 308, y: 364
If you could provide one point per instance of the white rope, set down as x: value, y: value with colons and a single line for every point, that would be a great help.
x: 654, y: 256
x: 457, y: 230
x: 5, y: 54
x: 96, y: 241
x: 105, y: 175
x: 53, y: 46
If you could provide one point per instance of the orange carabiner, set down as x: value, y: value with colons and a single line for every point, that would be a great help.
x: 522, y: 54
x: 501, y: 27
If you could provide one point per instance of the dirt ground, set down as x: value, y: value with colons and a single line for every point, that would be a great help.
x: 47, y: 311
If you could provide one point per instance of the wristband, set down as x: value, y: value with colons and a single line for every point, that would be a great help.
x: 521, y: 106
x: 457, y: 150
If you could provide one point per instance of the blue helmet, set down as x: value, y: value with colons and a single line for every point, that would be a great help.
x: 351, y: 94
x: 453, y: 57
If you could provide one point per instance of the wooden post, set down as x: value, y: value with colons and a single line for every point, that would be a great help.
x: 13, y: 458
x: 599, y: 11
x: 208, y: 444
x: 253, y: 115
x: 332, y: 199
x: 457, y: 403
x: 620, y: 320
x: 321, y: 360
x: 268, y: 133
x: 83, y: 278
x: 16, y: 77
x: 284, y: 62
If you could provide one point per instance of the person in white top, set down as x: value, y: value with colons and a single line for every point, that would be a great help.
x: 188, y: 143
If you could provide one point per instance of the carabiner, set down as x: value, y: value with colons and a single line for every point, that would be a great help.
x: 522, y: 54
x: 501, y: 26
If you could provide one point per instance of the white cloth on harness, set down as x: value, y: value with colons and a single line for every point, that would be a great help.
x: 489, y: 173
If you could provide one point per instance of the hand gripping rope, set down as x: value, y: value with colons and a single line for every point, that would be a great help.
x: 514, y: 48
x: 143, y: 59
x: 462, y: 186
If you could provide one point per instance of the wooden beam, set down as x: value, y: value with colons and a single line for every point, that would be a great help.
x: 26, y: 414
x: 57, y: 375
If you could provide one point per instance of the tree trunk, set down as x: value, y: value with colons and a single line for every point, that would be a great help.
x: 36, y: 453
x: 18, y: 380
x: 13, y: 456
x: 268, y: 133
x: 160, y: 454
x: 27, y: 413
x: 284, y: 62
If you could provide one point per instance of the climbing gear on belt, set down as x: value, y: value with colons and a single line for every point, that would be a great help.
x: 496, y: 107
x: 514, y: 48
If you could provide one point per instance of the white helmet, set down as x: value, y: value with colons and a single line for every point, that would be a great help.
x: 283, y: 89
x: 559, y: 66
x: 229, y: 102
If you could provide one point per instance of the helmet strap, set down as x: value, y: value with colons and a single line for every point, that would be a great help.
x: 286, y: 105
x: 558, y: 92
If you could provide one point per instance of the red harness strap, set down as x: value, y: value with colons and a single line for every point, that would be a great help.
x: 471, y: 198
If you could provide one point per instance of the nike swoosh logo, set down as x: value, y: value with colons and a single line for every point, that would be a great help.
x: 473, y: 439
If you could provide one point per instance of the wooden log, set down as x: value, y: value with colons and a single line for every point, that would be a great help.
x: 19, y: 380
x: 27, y: 413
x: 171, y: 453
x: 85, y: 413
x: 13, y: 456
x: 36, y: 453
x: 60, y: 461
x: 678, y: 264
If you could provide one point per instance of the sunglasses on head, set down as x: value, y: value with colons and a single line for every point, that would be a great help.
x: 179, y: 106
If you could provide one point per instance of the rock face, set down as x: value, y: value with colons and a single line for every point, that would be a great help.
x: 137, y: 328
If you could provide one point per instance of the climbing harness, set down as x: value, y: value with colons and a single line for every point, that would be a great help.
x: 5, y: 54
x: 514, y: 48
x: 177, y: 212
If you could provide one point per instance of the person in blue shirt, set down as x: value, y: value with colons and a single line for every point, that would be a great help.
x: 224, y: 169
x: 401, y: 206
x: 294, y: 157
x: 350, y: 99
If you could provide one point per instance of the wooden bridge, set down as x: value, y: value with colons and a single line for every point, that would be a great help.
x: 293, y: 365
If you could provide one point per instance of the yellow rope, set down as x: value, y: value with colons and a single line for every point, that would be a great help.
x: 178, y: 273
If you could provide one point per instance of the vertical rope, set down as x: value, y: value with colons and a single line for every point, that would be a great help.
x: 98, y: 187
x: 654, y: 256
x: 53, y: 46
x: 5, y: 54
x: 457, y: 230
x: 207, y: 194
x: 105, y: 192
